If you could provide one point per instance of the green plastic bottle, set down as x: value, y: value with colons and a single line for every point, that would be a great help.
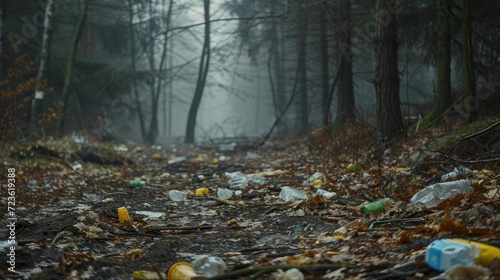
x: 374, y: 207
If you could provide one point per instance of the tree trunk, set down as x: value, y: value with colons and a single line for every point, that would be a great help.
x: 443, y: 85
x: 1, y: 35
x: 277, y: 55
x: 70, y: 64
x: 133, y: 66
x: 302, y: 114
x: 469, y: 73
x: 345, y: 105
x: 390, y: 124
x: 153, y: 127
x: 37, y: 101
x: 325, y: 78
x: 202, y: 76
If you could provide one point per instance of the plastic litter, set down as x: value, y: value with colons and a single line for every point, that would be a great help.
x: 201, y: 191
x: 224, y: 193
x: 443, y: 254
x: 251, y: 155
x: 176, y: 160
x: 291, y: 274
x: 317, y: 179
x: 8, y: 244
x: 183, y: 271
x: 256, y: 180
x: 353, y: 167
x: 291, y: 194
x: 209, y: 265
x: 486, y: 252
x: 123, y: 215
x: 374, y: 207
x: 227, y: 147
x: 432, y: 195
x: 237, y: 181
x: 137, y: 183
x: 326, y: 194
x: 458, y: 171
x: 176, y: 195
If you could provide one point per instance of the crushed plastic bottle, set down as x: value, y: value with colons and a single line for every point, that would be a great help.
x: 487, y: 252
x: 224, y: 193
x: 291, y: 194
x: 326, y: 194
x: 256, y: 180
x: 137, y: 183
x: 176, y: 160
x: 209, y: 265
x: 374, y: 207
x: 237, y: 181
x: 432, y: 195
x: 291, y: 274
x: 458, y: 171
x: 317, y: 179
x: 176, y: 195
x: 444, y: 253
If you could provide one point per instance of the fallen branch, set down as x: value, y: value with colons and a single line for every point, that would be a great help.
x: 256, y: 272
x: 479, y: 132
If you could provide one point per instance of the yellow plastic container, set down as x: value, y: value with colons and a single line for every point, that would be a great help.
x: 183, y: 271
x: 201, y: 191
x: 488, y: 252
x: 123, y: 215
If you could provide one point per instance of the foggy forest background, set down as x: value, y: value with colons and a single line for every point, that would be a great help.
x: 165, y: 71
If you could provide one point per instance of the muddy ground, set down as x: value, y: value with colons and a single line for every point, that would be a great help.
x: 67, y: 224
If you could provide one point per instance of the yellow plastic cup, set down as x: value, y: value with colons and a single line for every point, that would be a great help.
x: 183, y: 271
x: 123, y: 215
x: 487, y: 252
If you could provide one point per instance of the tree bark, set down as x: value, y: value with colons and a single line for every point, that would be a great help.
x: 390, y: 124
x: 443, y: 85
x: 133, y: 70
x: 325, y: 75
x: 469, y: 73
x: 202, y: 76
x: 155, y: 101
x: 345, y: 105
x: 70, y: 64
x: 302, y: 114
x: 37, y: 101
x: 2, y: 16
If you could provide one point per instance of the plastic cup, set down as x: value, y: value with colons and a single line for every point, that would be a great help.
x: 183, y: 271
x: 123, y: 215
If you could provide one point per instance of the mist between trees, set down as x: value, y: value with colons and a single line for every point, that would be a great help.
x: 164, y: 71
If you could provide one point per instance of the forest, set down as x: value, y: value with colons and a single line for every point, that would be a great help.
x: 328, y: 139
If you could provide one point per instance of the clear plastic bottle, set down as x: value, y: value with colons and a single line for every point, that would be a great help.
x: 291, y: 194
x: 209, y: 265
x: 458, y: 171
x: 237, y: 181
x: 432, y: 195
x: 256, y: 180
x: 176, y: 195
x: 317, y: 179
x: 326, y: 194
x: 444, y: 253
x: 224, y: 193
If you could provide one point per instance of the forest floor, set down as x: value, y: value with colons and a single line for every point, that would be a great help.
x: 68, y: 191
